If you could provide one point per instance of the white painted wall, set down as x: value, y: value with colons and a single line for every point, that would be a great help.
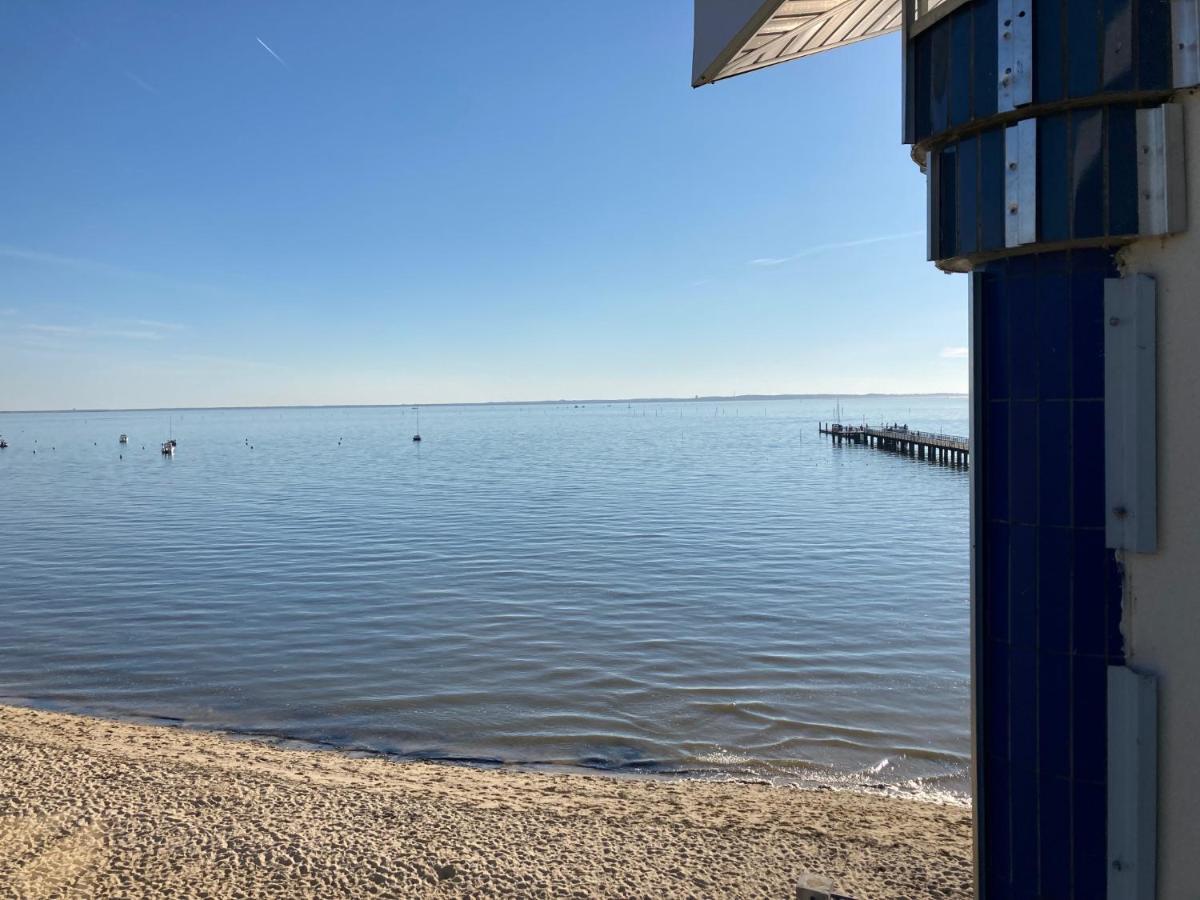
x: 1162, y: 600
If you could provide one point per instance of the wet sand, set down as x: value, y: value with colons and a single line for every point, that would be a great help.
x: 96, y: 808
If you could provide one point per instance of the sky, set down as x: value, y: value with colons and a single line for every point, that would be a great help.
x: 227, y: 203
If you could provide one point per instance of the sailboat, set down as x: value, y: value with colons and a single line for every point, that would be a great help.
x: 168, y: 447
x: 417, y: 436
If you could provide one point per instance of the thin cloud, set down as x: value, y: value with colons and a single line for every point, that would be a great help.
x: 954, y: 353
x: 139, y: 82
x: 826, y: 248
x: 8, y: 311
x: 25, y: 254
x: 68, y: 262
x: 95, y: 331
x: 54, y: 329
x: 155, y: 324
x: 273, y: 53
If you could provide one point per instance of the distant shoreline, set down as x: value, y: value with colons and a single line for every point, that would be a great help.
x: 729, y: 398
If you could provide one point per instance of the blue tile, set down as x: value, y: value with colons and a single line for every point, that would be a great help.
x: 997, y: 845
x: 1054, y: 714
x: 1098, y: 261
x: 1054, y: 462
x: 1054, y: 589
x: 996, y: 599
x: 960, y: 68
x: 1122, y: 170
x: 1089, y: 567
x: 1023, y: 459
x: 1022, y: 587
x: 1083, y: 48
x: 1054, y: 335
x: 998, y: 882
x: 1054, y: 834
x: 1086, y: 200
x: 983, y: 15
x: 1023, y: 719
x: 1087, y: 334
x: 939, y: 76
x: 1089, y: 852
x: 921, y: 89
x: 1049, y: 52
x: 1023, y: 345
x: 1154, y: 45
x: 1053, y: 177
x: 1024, y: 266
x: 995, y: 714
x: 1087, y: 463
x: 1024, y: 829
x: 1089, y: 734
x: 991, y: 189
x: 995, y: 334
x: 996, y: 466
x: 947, y: 212
x: 1117, y: 63
x: 968, y: 195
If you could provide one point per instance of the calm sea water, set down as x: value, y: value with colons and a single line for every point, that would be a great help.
x: 708, y: 588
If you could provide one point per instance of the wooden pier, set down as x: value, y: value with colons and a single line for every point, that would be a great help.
x: 949, y: 449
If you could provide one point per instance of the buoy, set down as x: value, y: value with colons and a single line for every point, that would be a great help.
x: 417, y: 437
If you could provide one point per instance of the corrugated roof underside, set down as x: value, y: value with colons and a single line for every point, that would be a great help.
x: 803, y: 27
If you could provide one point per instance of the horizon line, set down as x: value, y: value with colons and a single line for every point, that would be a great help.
x: 709, y: 398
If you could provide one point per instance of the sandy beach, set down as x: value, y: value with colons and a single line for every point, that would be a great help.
x: 97, y: 808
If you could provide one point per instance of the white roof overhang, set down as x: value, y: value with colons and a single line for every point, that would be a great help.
x: 737, y: 36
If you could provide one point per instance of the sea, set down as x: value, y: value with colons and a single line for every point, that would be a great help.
x: 706, y: 588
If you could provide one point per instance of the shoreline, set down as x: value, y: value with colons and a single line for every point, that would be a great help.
x: 111, y: 808
x: 284, y: 741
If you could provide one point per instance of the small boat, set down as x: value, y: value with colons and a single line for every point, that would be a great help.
x: 124, y: 439
x: 417, y: 436
x: 168, y: 448
x: 3, y: 443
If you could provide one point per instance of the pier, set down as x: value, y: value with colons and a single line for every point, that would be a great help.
x: 949, y: 449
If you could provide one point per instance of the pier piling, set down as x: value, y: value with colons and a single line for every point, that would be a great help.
x: 943, y: 449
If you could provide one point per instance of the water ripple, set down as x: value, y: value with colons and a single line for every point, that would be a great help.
x: 667, y: 587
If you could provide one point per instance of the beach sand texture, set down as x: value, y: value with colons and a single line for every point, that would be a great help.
x: 97, y: 808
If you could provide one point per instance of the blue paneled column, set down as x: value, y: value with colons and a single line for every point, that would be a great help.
x: 1025, y: 115
x: 1048, y: 592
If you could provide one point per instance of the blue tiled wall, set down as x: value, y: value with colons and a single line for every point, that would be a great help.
x: 1049, y: 593
x: 1081, y: 48
x: 1087, y: 182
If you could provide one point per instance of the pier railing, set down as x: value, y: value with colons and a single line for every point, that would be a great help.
x: 951, y: 448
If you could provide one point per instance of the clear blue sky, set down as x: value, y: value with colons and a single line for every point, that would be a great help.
x: 419, y: 202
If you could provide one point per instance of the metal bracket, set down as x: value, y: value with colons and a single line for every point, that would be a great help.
x: 1132, y: 784
x: 1020, y: 183
x: 1161, y: 172
x: 1014, y: 49
x: 1130, y: 414
x: 1185, y: 42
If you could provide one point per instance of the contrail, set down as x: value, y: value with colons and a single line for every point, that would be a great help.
x: 145, y: 87
x: 272, y: 52
x: 841, y: 245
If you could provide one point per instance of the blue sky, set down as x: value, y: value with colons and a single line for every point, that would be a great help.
x: 226, y: 203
